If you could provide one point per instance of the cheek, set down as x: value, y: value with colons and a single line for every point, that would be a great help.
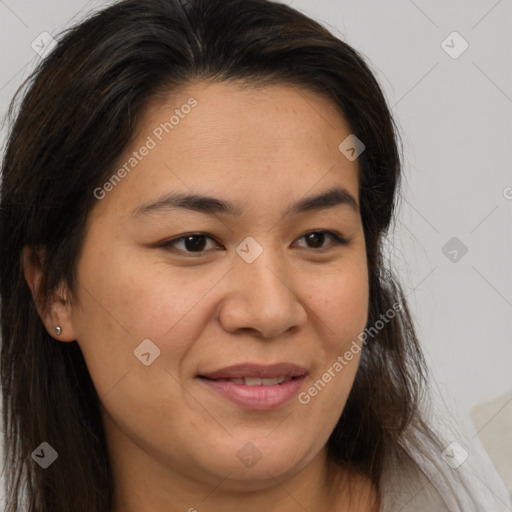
x: 123, y: 301
x: 341, y: 302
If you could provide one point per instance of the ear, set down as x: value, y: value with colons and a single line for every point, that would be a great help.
x: 58, y: 310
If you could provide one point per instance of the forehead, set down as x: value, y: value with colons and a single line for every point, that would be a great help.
x: 256, y: 143
x: 233, y: 108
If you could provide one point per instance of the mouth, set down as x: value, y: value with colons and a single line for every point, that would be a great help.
x: 255, y: 381
x: 257, y: 387
x: 248, y: 371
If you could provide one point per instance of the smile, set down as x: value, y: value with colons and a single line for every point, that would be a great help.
x: 256, y: 381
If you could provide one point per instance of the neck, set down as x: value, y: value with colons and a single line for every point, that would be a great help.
x: 142, y: 485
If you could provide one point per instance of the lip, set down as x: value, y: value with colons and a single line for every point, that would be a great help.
x: 256, y: 397
x: 257, y: 370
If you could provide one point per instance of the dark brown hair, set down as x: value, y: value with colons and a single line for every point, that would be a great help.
x: 77, y: 115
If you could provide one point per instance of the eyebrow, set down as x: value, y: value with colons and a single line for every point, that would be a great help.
x: 330, y: 198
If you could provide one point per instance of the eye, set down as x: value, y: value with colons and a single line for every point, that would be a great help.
x: 192, y: 242
x: 316, y: 239
x: 197, y: 242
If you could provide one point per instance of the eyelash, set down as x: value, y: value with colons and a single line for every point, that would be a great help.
x: 338, y: 240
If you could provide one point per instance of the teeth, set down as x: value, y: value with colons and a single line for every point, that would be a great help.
x: 256, y: 381
x: 252, y: 381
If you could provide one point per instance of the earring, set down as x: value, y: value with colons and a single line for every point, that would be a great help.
x: 58, y: 329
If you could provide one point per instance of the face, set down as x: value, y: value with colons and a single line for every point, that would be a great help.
x: 260, y: 282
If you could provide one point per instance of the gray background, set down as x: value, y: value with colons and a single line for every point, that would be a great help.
x: 455, y: 117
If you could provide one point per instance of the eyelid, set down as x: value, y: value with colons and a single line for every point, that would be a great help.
x: 168, y: 245
x: 339, y: 240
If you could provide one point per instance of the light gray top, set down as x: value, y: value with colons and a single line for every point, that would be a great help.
x: 449, y: 483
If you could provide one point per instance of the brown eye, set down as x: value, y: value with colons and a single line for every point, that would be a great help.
x: 191, y: 243
x: 316, y: 239
x: 196, y: 243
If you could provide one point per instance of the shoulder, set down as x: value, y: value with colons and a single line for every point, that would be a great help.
x: 422, y: 475
x: 404, y: 486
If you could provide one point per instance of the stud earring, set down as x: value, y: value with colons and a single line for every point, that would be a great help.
x: 58, y: 329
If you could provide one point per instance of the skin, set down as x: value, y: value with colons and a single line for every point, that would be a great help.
x: 174, y: 442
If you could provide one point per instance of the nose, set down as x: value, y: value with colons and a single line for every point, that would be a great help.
x: 261, y: 297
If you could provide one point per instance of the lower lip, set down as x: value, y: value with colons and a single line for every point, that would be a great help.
x: 256, y: 397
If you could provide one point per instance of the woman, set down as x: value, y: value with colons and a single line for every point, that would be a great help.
x: 196, y: 311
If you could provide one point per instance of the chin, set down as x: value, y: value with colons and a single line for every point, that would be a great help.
x: 256, y: 466
x: 260, y: 477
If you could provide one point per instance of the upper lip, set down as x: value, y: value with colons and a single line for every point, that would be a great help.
x: 257, y: 370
